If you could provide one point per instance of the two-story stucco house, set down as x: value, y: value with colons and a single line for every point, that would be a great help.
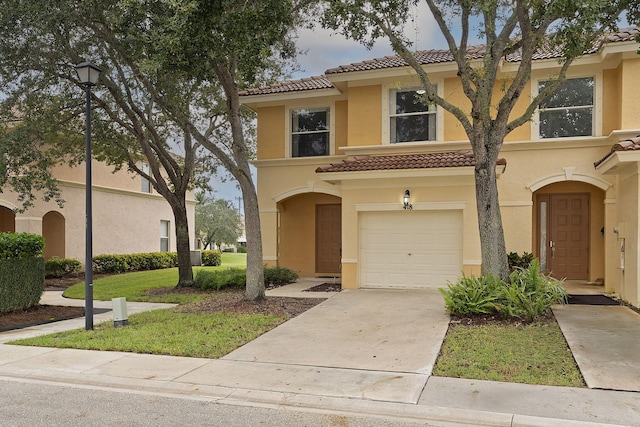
x: 338, y: 153
x: 128, y: 215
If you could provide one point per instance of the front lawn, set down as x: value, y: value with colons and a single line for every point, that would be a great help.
x: 210, y: 335
x: 136, y: 286
x: 535, y: 353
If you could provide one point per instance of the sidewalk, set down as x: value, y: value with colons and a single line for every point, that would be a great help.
x: 397, y: 387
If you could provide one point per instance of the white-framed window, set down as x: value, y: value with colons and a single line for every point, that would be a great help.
x: 569, y: 111
x: 146, y: 185
x: 310, y: 132
x: 164, y: 236
x: 411, y: 117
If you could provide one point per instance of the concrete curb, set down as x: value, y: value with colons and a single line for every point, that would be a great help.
x: 434, y: 415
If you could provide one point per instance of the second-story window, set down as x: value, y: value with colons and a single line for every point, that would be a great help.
x: 310, y: 132
x: 146, y: 185
x: 411, y: 117
x: 569, y: 110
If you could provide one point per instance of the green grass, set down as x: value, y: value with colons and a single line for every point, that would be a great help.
x: 133, y: 286
x: 165, y: 332
x: 536, y: 353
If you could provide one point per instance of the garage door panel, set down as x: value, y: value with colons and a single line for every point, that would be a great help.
x: 420, y: 249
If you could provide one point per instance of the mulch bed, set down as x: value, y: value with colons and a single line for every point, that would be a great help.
x: 38, y: 315
x: 325, y: 287
x: 486, y: 319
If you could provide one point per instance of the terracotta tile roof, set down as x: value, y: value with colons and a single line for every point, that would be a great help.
x: 632, y: 144
x: 425, y: 57
x: 308, y: 83
x: 404, y: 161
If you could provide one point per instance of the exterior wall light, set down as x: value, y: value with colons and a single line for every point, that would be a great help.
x: 407, y: 199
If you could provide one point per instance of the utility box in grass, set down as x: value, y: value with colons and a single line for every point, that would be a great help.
x: 196, y: 258
x: 120, y: 317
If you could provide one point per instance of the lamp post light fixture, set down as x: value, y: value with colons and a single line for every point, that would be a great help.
x: 407, y: 200
x: 88, y: 75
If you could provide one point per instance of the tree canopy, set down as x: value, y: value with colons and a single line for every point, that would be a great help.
x: 217, y: 222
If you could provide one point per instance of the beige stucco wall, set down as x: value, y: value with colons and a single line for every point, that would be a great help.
x: 627, y: 224
x: 271, y: 132
x: 125, y: 220
x: 365, y: 115
x: 611, y: 85
x: 630, y: 89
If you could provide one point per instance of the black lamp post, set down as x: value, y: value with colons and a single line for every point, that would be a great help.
x: 88, y: 75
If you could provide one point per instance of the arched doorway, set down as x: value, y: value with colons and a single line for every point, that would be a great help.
x: 7, y: 220
x: 53, y: 231
x: 309, y: 233
x: 568, y: 224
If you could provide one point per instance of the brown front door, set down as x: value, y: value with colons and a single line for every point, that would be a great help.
x: 328, y: 238
x: 564, y: 235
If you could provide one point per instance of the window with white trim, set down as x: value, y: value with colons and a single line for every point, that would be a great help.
x: 411, y: 118
x: 569, y: 111
x: 310, y: 132
x: 164, y: 236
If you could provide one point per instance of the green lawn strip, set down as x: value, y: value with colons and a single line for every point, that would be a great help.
x: 531, y: 354
x: 133, y: 286
x: 164, y: 332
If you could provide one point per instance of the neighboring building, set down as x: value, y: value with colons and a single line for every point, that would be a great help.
x: 128, y: 215
x: 337, y: 153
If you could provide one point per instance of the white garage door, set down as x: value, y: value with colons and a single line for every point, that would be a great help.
x: 410, y: 249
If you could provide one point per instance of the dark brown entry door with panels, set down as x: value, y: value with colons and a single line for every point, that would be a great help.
x: 328, y: 238
x: 563, y: 235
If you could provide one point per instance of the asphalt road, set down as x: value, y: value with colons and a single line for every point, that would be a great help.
x: 35, y: 404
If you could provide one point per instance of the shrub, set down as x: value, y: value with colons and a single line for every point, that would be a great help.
x: 21, y: 283
x: 279, y: 276
x: 211, y: 258
x: 528, y: 295
x: 219, y: 279
x: 20, y: 245
x: 241, y: 249
x: 519, y: 261
x: 472, y: 295
x: 61, y: 267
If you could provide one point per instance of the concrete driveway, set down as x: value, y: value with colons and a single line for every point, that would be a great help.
x: 379, y: 330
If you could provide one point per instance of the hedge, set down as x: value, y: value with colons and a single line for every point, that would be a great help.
x: 21, y: 283
x: 20, y: 245
x: 134, y: 262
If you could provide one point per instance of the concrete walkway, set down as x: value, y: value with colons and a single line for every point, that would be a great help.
x: 605, y: 341
x: 360, y: 352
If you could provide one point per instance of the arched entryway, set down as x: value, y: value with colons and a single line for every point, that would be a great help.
x: 310, y: 233
x: 53, y: 231
x: 568, y: 230
x: 7, y: 220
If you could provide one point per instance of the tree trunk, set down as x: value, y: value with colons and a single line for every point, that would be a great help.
x: 494, y: 254
x: 255, y: 271
x: 185, y: 271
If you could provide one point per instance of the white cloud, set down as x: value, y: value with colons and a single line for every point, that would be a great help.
x: 326, y: 49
